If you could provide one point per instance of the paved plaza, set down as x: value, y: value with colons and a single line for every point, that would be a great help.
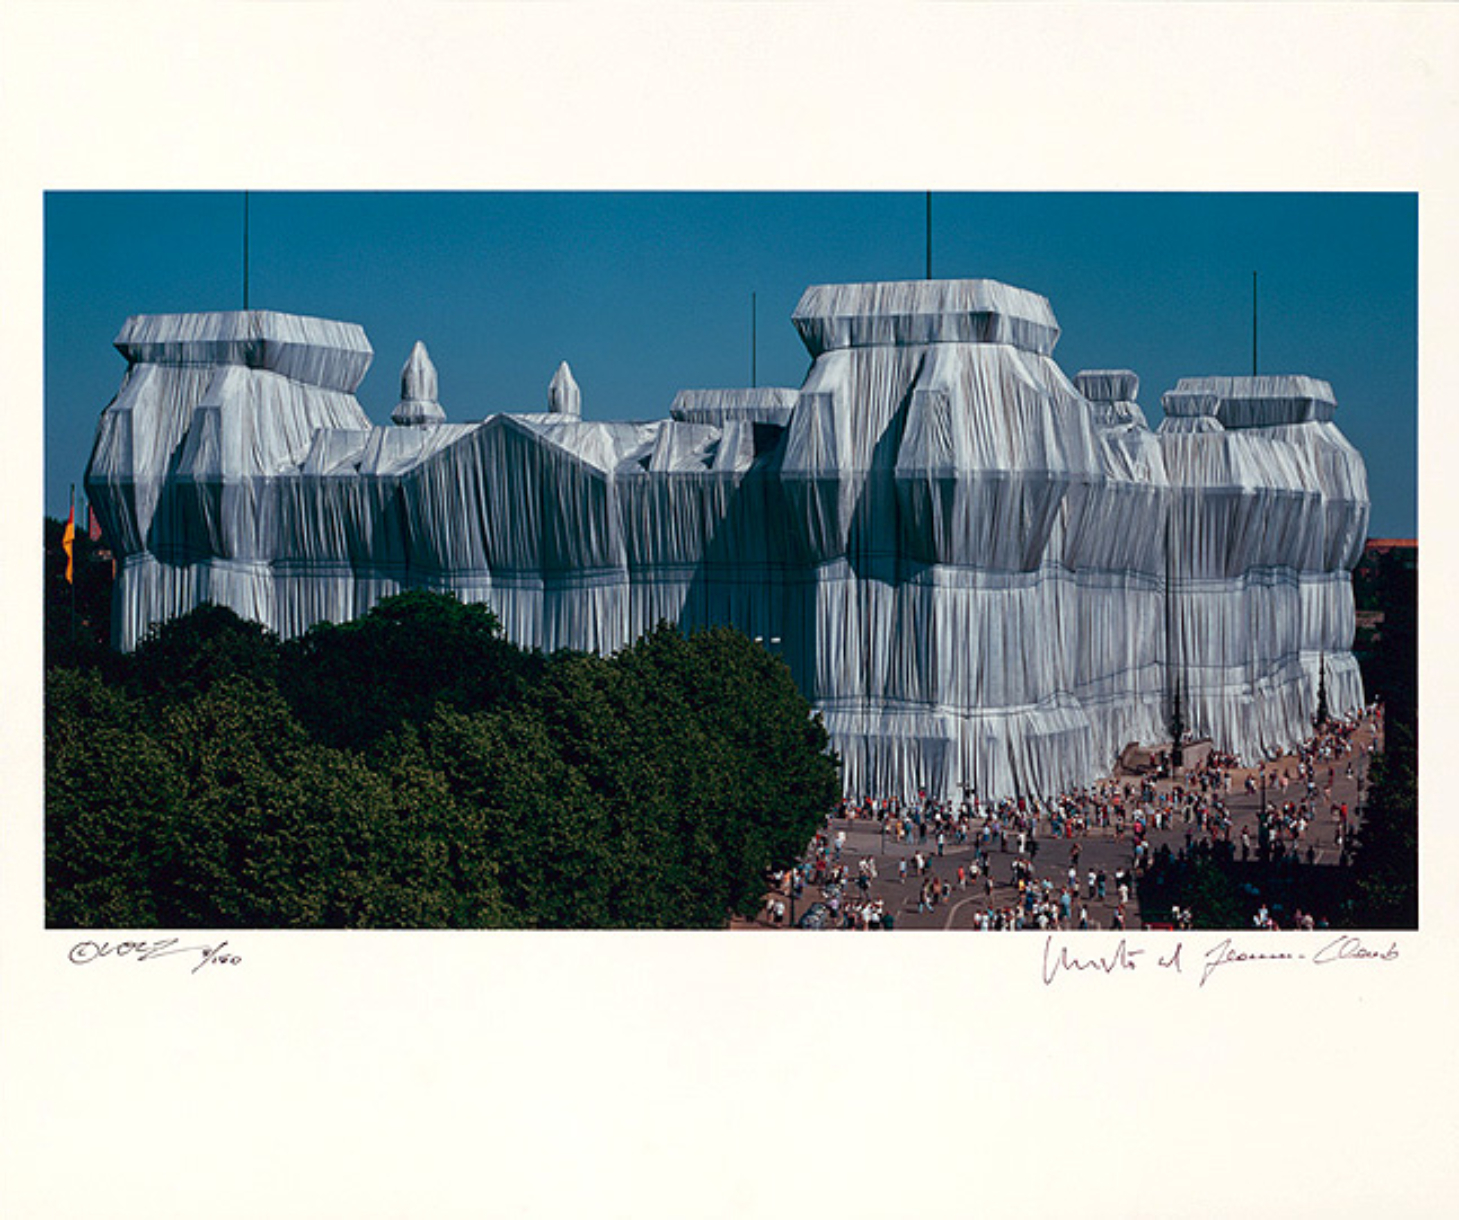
x: 1097, y: 848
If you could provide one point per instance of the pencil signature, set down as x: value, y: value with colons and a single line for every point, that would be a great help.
x: 84, y: 952
x: 1160, y: 955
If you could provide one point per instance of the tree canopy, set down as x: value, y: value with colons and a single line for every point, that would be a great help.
x: 416, y: 769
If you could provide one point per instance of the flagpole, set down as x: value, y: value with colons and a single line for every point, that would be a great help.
x: 929, y: 235
x: 245, y: 251
x: 753, y: 345
x: 1253, y: 323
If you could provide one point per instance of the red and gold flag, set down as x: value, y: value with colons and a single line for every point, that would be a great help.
x: 68, y: 542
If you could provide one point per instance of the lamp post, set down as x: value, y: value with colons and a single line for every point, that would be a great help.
x: 1263, y: 835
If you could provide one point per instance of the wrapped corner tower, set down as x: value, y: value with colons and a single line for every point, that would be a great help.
x: 1268, y: 516
x: 980, y: 574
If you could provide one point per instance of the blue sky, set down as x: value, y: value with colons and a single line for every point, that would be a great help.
x: 649, y: 293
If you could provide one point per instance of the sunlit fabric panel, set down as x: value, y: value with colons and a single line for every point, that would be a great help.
x: 1112, y: 539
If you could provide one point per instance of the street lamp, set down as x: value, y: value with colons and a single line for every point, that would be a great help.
x: 774, y: 642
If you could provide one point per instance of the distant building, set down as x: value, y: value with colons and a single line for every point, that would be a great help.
x: 1402, y: 550
x: 982, y: 574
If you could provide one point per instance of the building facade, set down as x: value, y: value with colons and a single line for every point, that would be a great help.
x: 981, y: 573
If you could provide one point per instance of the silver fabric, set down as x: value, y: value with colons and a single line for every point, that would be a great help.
x: 980, y: 573
x: 1261, y: 402
x: 418, y: 391
x: 332, y: 355
x: 563, y: 395
x: 764, y: 404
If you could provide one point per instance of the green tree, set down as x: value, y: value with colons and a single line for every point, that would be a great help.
x: 353, y: 682
x: 651, y: 789
x: 532, y: 818
x: 275, y: 830
x: 113, y: 796
x: 617, y: 736
x: 432, y: 872
x: 755, y: 776
x: 1385, y: 865
x: 187, y: 656
x: 233, y: 858
x: 1215, y: 898
x: 417, y: 770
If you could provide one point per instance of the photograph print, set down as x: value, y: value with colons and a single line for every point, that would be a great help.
x: 750, y: 561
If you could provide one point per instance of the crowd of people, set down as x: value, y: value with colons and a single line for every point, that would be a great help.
x: 1310, y: 778
x: 1125, y: 809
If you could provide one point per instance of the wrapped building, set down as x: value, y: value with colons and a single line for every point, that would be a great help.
x: 981, y: 574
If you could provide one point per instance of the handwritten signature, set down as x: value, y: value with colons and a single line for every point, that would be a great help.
x: 1160, y: 956
x: 84, y: 952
